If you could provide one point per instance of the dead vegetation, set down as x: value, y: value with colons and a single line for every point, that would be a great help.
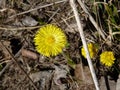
x: 22, y: 68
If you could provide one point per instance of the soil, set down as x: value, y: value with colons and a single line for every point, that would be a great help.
x: 23, y: 68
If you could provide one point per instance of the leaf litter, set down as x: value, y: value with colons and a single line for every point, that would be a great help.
x: 17, y: 33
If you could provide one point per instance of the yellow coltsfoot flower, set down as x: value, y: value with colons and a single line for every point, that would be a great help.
x: 92, y: 49
x: 50, y: 40
x: 107, y: 58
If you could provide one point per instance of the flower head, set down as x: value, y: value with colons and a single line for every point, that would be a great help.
x: 50, y: 40
x: 107, y: 58
x: 92, y: 49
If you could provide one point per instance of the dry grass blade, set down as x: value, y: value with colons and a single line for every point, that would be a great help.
x: 115, y: 33
x: 19, y: 28
x: 80, y: 28
x: 91, y: 19
x: 3, y: 70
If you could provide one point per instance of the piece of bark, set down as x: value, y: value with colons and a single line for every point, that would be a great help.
x: 79, y: 74
x: 29, y: 54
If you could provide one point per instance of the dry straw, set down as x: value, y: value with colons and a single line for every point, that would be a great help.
x: 80, y: 28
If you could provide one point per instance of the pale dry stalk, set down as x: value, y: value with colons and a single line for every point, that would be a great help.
x: 80, y: 28
x: 47, y: 5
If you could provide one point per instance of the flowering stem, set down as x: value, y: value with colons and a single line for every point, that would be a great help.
x: 80, y: 28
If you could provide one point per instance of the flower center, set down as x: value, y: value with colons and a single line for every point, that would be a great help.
x: 50, y: 40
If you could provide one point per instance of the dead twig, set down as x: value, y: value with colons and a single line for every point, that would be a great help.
x: 80, y: 28
x: 13, y: 58
x: 3, y: 70
x: 19, y: 28
x: 37, y: 8
x: 53, y: 14
x: 56, y: 12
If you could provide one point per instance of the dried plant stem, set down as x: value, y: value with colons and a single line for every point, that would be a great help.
x: 57, y: 2
x: 115, y: 33
x: 53, y: 14
x: 13, y: 58
x: 91, y: 19
x: 3, y: 70
x: 18, y: 28
x: 56, y: 12
x: 80, y: 28
x: 28, y: 28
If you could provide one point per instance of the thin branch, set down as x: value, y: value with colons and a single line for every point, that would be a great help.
x: 4, y: 69
x: 53, y: 14
x: 13, y: 58
x: 91, y: 19
x: 28, y: 28
x: 56, y: 12
x: 8, y: 62
x: 80, y: 28
x: 18, y: 28
x: 65, y: 21
x: 57, y: 2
